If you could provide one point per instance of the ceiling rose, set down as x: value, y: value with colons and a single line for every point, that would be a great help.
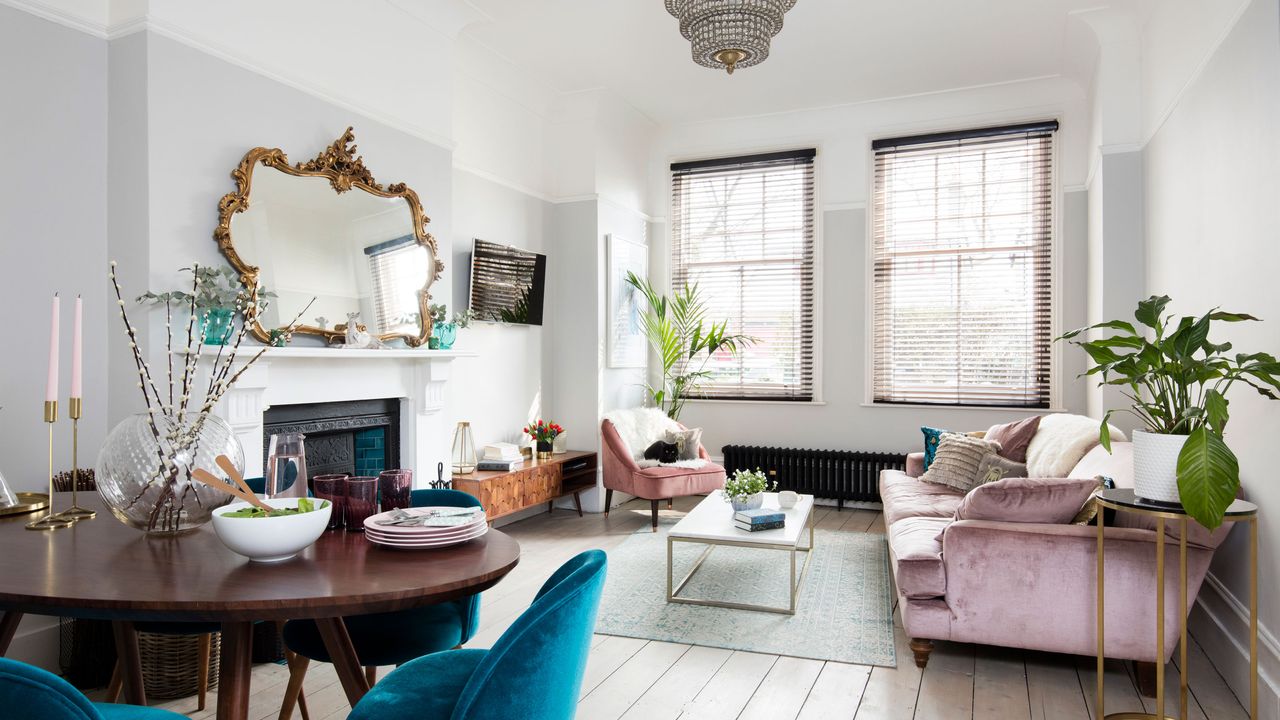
x: 729, y: 34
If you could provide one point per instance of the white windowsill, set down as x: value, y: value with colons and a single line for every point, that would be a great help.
x: 988, y: 408
x: 774, y: 403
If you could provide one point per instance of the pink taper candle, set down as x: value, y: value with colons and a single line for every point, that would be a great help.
x: 75, y: 349
x: 51, y: 388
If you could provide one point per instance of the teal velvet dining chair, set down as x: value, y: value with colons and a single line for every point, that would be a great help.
x: 392, y: 638
x: 533, y: 672
x: 29, y: 693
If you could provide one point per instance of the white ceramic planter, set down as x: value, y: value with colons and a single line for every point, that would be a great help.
x: 1155, y: 465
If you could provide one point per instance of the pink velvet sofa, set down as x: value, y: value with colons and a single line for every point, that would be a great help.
x: 622, y: 473
x: 1032, y: 585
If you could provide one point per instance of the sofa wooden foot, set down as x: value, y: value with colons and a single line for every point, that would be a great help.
x: 608, y: 500
x: 1144, y: 674
x: 921, y: 648
x: 653, y: 509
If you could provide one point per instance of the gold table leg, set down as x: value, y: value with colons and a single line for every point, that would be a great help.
x: 1098, y: 563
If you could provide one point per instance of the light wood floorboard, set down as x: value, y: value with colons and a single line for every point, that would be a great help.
x: 639, y: 679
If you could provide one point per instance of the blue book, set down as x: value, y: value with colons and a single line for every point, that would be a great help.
x: 760, y: 516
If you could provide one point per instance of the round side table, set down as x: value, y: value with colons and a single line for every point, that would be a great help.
x: 1124, y: 500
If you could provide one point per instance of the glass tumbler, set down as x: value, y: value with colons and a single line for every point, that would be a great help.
x: 394, y: 487
x: 334, y: 489
x: 362, y: 501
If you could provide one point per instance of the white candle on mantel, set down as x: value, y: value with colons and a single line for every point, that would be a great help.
x: 76, y: 348
x: 51, y: 387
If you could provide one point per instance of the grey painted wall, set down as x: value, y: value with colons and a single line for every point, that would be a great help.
x: 53, y: 217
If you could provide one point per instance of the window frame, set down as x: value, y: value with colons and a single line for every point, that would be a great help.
x: 817, y: 220
x: 1056, y: 381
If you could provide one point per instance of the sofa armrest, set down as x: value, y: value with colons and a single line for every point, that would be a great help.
x: 1034, y: 585
x: 915, y: 464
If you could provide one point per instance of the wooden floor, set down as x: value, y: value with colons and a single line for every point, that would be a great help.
x: 650, y: 680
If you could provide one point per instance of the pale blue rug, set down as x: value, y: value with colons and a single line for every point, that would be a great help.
x: 844, y: 612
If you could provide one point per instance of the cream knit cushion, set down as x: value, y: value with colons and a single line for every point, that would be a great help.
x: 956, y: 463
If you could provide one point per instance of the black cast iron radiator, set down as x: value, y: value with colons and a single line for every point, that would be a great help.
x: 835, y: 474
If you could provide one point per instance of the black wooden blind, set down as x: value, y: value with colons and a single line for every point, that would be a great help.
x: 963, y: 295
x: 743, y: 232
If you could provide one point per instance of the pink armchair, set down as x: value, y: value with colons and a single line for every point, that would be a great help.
x: 652, y: 483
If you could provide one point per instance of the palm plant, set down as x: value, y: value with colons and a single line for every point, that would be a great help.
x: 677, y: 329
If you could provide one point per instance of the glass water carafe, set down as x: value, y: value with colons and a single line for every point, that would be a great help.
x: 286, y: 474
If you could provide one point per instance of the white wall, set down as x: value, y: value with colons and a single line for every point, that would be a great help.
x: 842, y: 136
x: 1212, y: 223
x: 501, y: 389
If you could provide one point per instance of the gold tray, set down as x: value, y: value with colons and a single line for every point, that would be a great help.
x: 27, y: 503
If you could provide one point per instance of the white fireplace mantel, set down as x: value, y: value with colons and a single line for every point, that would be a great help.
x: 295, y: 375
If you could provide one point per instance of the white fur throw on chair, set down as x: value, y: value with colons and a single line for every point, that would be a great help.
x: 641, y: 427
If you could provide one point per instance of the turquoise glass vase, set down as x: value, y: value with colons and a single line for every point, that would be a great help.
x: 446, y: 333
x: 217, y: 324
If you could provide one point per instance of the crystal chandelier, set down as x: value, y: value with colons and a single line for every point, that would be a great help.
x: 729, y: 34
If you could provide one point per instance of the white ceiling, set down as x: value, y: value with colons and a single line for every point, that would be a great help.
x: 829, y: 52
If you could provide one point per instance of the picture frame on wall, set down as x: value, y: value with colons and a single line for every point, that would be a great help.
x: 627, y: 345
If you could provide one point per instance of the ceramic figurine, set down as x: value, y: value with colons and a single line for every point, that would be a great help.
x: 358, y: 337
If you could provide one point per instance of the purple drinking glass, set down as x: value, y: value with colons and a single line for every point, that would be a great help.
x: 334, y: 489
x: 394, y: 487
x: 362, y: 501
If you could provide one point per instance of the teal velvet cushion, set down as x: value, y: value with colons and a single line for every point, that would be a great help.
x: 423, y: 689
x: 932, y: 437
x: 390, y: 638
x: 533, y: 672
x: 29, y: 693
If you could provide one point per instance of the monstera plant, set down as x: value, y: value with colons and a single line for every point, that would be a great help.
x: 1176, y: 380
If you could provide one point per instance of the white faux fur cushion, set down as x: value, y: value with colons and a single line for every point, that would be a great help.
x: 641, y: 427
x: 1061, y: 441
x: 691, y: 464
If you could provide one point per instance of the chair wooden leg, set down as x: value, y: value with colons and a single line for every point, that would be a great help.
x: 653, y: 510
x: 371, y: 674
x: 921, y: 648
x: 608, y: 500
x: 117, y: 682
x: 1145, y: 675
x: 202, y: 672
x: 293, y: 691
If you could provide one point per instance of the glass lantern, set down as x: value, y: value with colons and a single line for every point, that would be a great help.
x: 464, y: 450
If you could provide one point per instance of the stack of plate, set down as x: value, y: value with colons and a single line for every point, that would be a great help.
x: 442, y: 527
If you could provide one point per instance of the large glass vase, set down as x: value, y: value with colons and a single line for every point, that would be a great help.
x: 144, y: 472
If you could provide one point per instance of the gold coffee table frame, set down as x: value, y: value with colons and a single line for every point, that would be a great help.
x: 673, y: 593
x: 1124, y: 500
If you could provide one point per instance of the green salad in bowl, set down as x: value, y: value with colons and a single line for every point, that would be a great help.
x: 305, y: 505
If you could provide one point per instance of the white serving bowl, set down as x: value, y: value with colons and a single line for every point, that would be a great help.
x: 270, y: 539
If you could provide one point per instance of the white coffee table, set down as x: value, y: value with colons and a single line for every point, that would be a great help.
x: 711, y: 524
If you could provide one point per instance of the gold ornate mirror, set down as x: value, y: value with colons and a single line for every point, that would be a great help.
x: 298, y: 231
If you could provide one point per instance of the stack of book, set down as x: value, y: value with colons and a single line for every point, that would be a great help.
x: 499, y: 456
x: 759, y: 519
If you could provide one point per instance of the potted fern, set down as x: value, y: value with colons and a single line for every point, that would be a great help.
x: 1177, y: 380
x: 684, y: 340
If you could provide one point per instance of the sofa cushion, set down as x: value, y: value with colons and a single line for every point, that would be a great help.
x: 993, y: 468
x: 1014, y: 437
x: 904, y: 496
x: 917, y: 550
x: 658, y: 483
x: 1060, y: 442
x: 1027, y: 500
x: 956, y: 462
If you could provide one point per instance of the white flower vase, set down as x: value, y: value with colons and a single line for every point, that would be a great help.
x: 1155, y: 465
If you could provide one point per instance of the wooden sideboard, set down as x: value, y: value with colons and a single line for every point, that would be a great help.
x: 532, y: 483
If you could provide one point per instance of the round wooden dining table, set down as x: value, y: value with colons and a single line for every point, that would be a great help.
x: 101, y: 569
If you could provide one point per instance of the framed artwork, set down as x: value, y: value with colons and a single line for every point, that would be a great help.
x: 627, y: 345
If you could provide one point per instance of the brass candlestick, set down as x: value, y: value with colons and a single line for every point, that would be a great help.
x: 75, y: 512
x: 50, y: 521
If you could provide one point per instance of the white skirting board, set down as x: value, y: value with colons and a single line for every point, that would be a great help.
x: 1220, y: 623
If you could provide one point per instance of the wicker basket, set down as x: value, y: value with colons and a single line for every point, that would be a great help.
x: 170, y: 664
